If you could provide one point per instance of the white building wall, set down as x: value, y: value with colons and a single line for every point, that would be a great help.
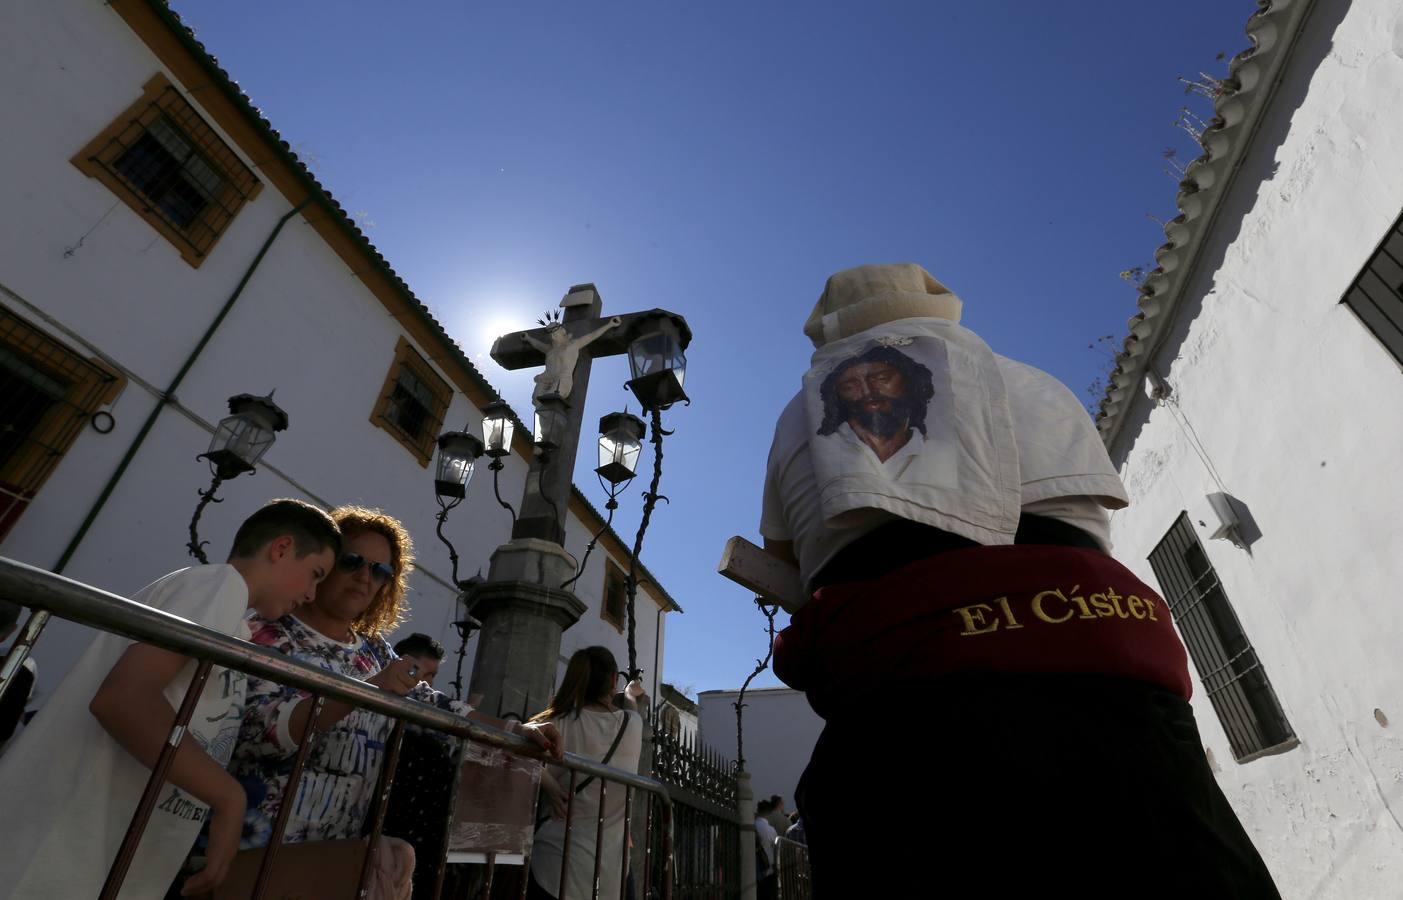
x: 74, y: 257
x: 1281, y: 397
x: 678, y: 714
x: 780, y: 730
x: 689, y: 726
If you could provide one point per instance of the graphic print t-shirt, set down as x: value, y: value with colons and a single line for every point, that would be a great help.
x: 343, y: 765
x: 70, y: 789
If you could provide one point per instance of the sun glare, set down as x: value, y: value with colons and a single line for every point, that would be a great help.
x: 495, y: 326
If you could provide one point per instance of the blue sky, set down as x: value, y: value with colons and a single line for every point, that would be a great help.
x: 721, y: 159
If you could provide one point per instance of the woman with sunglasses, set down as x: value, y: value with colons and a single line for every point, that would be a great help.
x: 343, y: 631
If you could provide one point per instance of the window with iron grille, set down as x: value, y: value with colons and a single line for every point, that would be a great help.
x: 614, y: 609
x: 413, y: 402
x: 170, y: 166
x: 1377, y: 294
x: 47, y: 394
x: 1232, y: 675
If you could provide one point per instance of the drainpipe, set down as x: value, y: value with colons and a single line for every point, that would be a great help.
x: 169, y: 394
x: 34, y: 625
x: 657, y: 648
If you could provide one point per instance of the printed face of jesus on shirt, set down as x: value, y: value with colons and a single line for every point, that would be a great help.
x: 873, y: 395
x: 881, y: 394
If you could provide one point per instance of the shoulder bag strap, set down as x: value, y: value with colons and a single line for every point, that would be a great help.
x: 608, y: 756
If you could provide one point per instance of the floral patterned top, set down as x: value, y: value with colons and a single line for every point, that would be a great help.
x: 343, y: 766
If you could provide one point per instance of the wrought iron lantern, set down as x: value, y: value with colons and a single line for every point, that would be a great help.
x: 620, y: 444
x: 239, y: 442
x: 457, y: 453
x: 550, y: 426
x: 497, y: 428
x: 657, y: 360
x: 243, y: 437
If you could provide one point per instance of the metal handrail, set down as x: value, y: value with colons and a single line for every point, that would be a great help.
x: 69, y: 599
x: 46, y: 592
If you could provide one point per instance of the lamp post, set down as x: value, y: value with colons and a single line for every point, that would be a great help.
x: 498, y: 425
x: 657, y: 361
x: 239, y: 442
x: 457, y: 455
x: 620, y: 443
x: 525, y: 603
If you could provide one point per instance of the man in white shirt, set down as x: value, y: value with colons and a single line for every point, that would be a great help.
x: 765, y: 836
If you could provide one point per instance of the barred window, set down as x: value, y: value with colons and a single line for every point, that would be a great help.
x: 1232, y: 675
x: 614, y: 609
x: 171, y: 167
x: 47, y: 394
x: 1377, y: 294
x: 413, y: 402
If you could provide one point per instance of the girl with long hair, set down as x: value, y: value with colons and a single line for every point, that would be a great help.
x: 592, y: 725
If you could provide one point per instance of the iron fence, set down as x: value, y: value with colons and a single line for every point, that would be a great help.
x: 703, y: 788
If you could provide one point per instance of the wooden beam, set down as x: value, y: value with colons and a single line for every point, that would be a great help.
x: 770, y: 578
x: 513, y: 351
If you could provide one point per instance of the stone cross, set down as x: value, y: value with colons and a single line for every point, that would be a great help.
x: 522, y: 605
x: 566, y: 349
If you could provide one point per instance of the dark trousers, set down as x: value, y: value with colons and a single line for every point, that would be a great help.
x: 992, y: 786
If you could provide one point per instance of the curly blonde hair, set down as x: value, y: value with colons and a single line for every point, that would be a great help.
x: 390, y: 604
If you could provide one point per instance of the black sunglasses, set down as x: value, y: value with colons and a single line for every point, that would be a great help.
x: 351, y: 563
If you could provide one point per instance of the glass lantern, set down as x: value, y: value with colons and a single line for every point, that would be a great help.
x: 620, y: 443
x: 657, y: 361
x: 457, y: 453
x: 549, y: 428
x: 244, y: 436
x: 497, y: 428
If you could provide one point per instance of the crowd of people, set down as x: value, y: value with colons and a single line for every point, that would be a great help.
x: 932, y: 495
x: 773, y: 824
x: 325, y: 589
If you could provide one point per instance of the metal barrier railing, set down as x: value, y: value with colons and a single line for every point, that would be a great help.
x: 706, y: 824
x: 47, y: 593
x: 795, y: 882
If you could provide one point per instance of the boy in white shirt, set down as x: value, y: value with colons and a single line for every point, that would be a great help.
x: 73, y: 779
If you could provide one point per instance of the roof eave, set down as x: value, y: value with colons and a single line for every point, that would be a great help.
x: 336, y: 213
x: 1254, y: 76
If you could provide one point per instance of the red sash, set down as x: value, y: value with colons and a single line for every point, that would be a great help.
x: 1019, y: 608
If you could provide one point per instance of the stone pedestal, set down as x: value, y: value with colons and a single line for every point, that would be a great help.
x: 523, y: 613
x: 745, y: 803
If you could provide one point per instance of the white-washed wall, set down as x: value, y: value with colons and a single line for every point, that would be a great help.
x: 1300, y: 412
x: 304, y: 325
x: 780, y: 732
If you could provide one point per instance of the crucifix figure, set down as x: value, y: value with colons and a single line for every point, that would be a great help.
x: 562, y: 353
x: 566, y: 349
